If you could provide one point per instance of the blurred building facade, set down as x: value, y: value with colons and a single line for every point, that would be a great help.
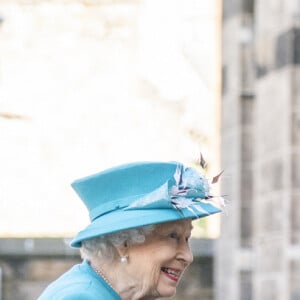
x: 259, y: 249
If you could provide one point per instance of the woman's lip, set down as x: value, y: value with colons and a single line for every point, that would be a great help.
x: 171, y: 273
x: 173, y: 278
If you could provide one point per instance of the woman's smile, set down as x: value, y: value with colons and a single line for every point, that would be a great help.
x: 173, y: 274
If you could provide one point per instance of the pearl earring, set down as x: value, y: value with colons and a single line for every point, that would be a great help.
x: 124, y: 259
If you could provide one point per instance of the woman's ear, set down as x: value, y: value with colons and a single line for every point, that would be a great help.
x: 123, y: 252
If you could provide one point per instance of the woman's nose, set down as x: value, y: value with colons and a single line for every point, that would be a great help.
x: 185, y: 254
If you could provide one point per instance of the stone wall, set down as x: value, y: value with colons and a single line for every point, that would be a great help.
x: 28, y: 265
x: 260, y: 151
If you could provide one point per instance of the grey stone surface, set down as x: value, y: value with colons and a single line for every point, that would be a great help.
x: 224, y: 79
x: 260, y: 148
x: 295, y: 279
x: 270, y: 250
x: 269, y: 290
x: 246, y: 285
x: 247, y: 145
x: 287, y: 52
x: 247, y: 110
x: 296, y: 46
x: 231, y: 8
x: 271, y: 172
x: 284, y: 54
x: 295, y: 123
x: 295, y: 180
x: 36, y: 247
x: 25, y: 277
x: 26, y: 273
x: 295, y: 218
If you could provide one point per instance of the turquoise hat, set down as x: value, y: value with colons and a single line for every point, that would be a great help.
x: 142, y: 193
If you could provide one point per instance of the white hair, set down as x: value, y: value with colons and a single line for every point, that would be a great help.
x: 104, y: 247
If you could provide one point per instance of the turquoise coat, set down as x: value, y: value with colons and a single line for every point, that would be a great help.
x: 81, y: 282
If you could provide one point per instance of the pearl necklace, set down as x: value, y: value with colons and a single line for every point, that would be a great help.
x: 100, y: 273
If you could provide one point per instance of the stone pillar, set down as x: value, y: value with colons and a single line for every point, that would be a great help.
x: 226, y: 273
x: 295, y: 173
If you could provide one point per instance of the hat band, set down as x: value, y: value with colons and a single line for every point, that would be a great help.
x: 111, y: 206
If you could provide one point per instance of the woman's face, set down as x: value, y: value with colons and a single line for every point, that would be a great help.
x: 156, y: 266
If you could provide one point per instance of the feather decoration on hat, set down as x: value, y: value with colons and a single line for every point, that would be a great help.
x: 185, y: 190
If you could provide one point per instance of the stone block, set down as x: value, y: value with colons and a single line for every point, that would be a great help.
x: 296, y: 47
x: 247, y: 110
x: 246, y: 285
x: 231, y: 8
x: 295, y: 91
x: 248, y: 6
x: 246, y: 182
x: 230, y: 113
x: 295, y: 130
x: 264, y: 55
x: 25, y: 277
x: 246, y: 237
x: 271, y: 214
x: 283, y: 51
x: 247, y: 145
x: 246, y: 56
x: 7, y: 270
x: 231, y: 141
x: 268, y: 290
x: 271, y: 175
x: 295, y: 176
x: 270, y: 254
x: 36, y: 247
x: 261, y: 70
x: 224, y: 79
x: 295, y: 218
x: 23, y: 290
x: 286, y: 52
x: 270, y: 128
x: 295, y: 279
x: 47, y: 269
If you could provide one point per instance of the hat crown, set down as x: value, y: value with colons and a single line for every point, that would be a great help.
x: 118, y: 187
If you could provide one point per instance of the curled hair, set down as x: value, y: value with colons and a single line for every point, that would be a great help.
x: 104, y: 247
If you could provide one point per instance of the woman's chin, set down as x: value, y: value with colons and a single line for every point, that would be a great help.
x: 167, y: 292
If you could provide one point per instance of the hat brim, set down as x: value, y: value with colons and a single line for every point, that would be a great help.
x: 119, y: 220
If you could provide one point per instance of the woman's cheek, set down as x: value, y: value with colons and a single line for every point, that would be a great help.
x: 155, y: 276
x: 154, y: 280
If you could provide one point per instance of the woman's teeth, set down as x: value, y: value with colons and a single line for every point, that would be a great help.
x: 170, y: 271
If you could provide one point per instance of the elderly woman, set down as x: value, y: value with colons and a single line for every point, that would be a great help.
x: 137, y: 244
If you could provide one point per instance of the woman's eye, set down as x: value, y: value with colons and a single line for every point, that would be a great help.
x: 173, y: 235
